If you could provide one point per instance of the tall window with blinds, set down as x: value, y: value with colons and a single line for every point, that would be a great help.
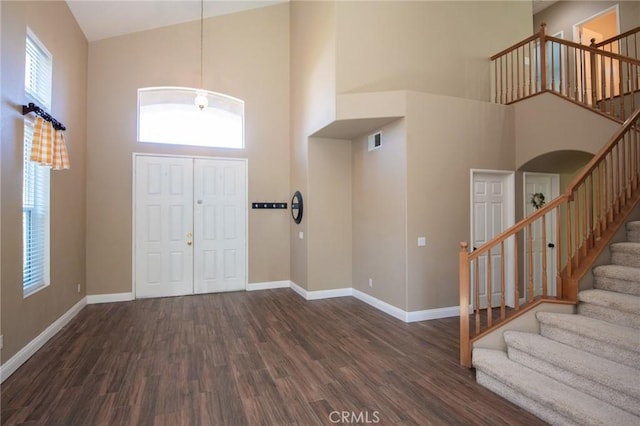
x: 36, y: 178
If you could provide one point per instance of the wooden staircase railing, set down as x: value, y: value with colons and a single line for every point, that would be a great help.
x: 586, y: 216
x: 625, y: 44
x: 508, y: 274
x: 593, y: 77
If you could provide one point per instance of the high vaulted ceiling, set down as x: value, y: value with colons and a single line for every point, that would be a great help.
x: 101, y: 19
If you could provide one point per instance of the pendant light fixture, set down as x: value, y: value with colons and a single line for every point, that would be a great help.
x: 201, y: 100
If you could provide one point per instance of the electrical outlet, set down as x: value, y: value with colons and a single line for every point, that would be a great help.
x: 370, y: 282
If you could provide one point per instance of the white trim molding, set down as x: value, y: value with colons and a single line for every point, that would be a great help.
x: 385, y: 307
x: 321, y: 294
x: 431, y: 314
x: 9, y: 367
x: 268, y: 285
x: 93, y: 299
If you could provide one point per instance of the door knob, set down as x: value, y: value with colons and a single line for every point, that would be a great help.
x: 189, y: 238
x: 551, y: 245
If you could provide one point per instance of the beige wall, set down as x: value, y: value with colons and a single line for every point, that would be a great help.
x: 312, y: 86
x: 380, y: 217
x: 246, y: 56
x: 329, y: 225
x: 438, y: 47
x: 547, y: 123
x: 52, y: 22
x: 446, y: 138
x: 562, y: 15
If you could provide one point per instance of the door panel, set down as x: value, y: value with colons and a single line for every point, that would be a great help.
x: 220, y: 225
x: 547, y: 184
x: 490, y: 217
x: 190, y: 226
x: 164, y: 217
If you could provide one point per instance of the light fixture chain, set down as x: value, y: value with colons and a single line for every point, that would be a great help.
x: 201, y: 44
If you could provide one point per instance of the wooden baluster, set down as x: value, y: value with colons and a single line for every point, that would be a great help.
x: 562, y: 88
x: 617, y: 180
x: 569, y: 242
x: 477, y: 295
x: 578, y: 74
x: 544, y: 256
x: 603, y: 84
x: 513, y: 79
x: 516, y: 277
x: 593, y: 58
x: 558, y: 253
x: 552, y: 69
x: 598, y: 202
x: 585, y: 218
x: 489, y: 288
x: 529, y: 263
x: 611, y: 87
x: 621, y: 90
x: 495, y: 79
x: 530, y: 91
x: 503, y: 289
x: 463, y: 266
x: 543, y: 57
x: 518, y: 87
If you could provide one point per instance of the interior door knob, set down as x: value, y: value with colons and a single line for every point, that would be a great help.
x: 189, y: 238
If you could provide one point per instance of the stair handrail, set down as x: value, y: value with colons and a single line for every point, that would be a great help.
x: 605, y: 188
x: 620, y: 38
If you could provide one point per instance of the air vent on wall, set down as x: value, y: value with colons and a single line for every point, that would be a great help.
x: 375, y: 141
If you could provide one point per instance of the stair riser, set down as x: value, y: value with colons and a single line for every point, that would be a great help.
x: 633, y: 235
x: 612, y: 316
x: 625, y: 258
x: 617, y: 285
x: 520, y: 400
x: 596, y: 347
x: 577, y: 380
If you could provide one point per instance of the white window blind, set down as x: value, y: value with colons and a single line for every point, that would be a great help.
x: 35, y: 189
x: 37, y: 79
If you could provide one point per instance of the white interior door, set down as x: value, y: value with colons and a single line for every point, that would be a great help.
x: 190, y: 225
x: 492, y: 213
x: 163, y: 222
x: 549, y: 185
x: 220, y: 225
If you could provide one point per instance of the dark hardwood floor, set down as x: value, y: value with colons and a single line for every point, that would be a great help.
x: 258, y: 358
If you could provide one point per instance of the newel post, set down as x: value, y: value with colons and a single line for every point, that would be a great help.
x: 543, y: 57
x: 465, y: 350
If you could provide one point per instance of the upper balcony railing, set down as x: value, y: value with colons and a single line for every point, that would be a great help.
x: 593, y: 77
x: 626, y: 44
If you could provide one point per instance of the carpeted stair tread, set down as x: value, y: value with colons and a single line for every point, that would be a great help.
x: 584, y: 371
x: 619, y: 278
x: 616, y: 308
x: 625, y: 253
x: 611, y: 341
x: 521, y: 383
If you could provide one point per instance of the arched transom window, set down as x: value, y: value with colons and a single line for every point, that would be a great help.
x: 171, y: 115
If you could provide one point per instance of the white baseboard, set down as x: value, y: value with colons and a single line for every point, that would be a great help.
x: 380, y: 305
x: 321, y: 294
x: 108, y: 298
x: 9, y: 367
x: 429, y: 314
x: 268, y: 285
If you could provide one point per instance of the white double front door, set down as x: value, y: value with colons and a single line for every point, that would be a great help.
x: 190, y: 225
